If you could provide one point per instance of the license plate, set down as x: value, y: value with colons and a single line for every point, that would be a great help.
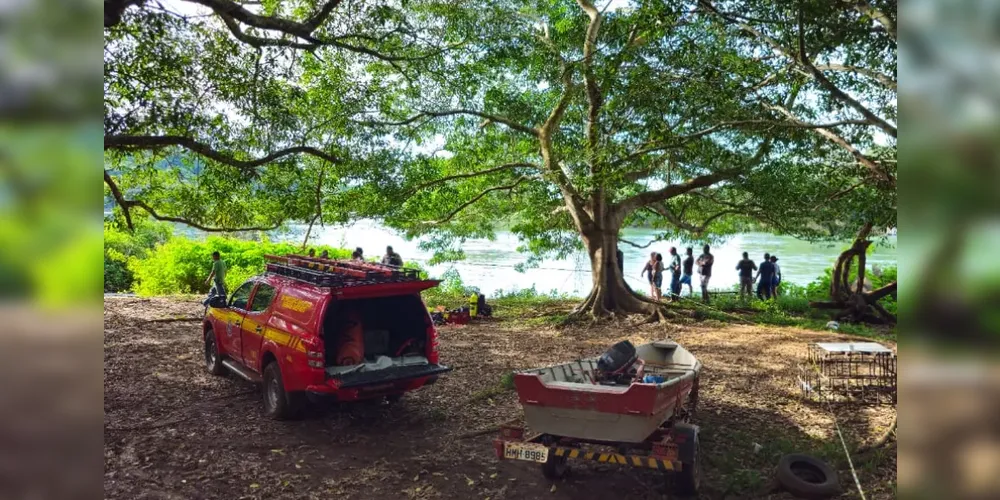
x: 526, y: 451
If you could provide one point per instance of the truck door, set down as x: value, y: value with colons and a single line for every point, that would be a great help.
x: 255, y: 324
x: 231, y: 337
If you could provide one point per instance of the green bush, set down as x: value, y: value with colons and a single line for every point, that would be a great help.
x: 122, y: 245
x: 181, y: 265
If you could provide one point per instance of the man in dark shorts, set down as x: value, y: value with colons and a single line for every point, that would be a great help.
x: 705, y: 262
x: 746, y: 267
x: 688, y: 271
x: 675, y: 274
x: 765, y: 273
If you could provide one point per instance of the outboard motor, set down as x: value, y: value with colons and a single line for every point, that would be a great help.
x: 618, y: 365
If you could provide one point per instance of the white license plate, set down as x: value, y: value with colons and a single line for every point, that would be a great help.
x: 526, y: 451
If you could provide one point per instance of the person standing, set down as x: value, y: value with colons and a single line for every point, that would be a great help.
x: 746, y: 267
x: 675, y: 274
x: 764, y: 274
x: 325, y: 254
x: 391, y: 258
x: 688, y: 271
x: 649, y: 270
x: 776, y: 279
x: 358, y: 254
x: 217, y: 277
x: 705, y: 262
x: 312, y: 252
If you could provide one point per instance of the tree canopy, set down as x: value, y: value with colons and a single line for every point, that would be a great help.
x: 562, y: 120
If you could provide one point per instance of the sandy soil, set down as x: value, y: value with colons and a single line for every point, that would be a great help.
x: 172, y: 430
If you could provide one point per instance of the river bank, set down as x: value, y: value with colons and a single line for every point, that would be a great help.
x: 492, y: 264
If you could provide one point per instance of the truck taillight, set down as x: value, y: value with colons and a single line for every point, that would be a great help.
x: 432, y: 344
x: 314, y: 363
x: 315, y: 354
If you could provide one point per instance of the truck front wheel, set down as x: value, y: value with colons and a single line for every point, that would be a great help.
x: 278, y: 404
x: 213, y: 360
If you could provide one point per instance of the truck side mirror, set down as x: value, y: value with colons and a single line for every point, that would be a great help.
x: 218, y: 302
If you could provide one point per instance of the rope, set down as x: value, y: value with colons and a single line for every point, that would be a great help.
x: 843, y: 443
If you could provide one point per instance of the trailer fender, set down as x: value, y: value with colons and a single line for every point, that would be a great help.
x: 686, y: 437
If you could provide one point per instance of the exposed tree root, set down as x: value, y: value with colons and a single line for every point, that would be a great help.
x: 854, y: 303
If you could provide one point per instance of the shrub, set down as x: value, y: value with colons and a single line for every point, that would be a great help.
x: 122, y: 246
x: 181, y: 265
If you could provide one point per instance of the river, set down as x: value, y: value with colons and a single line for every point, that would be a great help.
x: 490, y: 265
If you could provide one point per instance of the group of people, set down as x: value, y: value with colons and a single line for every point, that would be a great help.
x: 768, y: 276
x: 390, y: 258
x: 217, y: 276
x: 681, y: 272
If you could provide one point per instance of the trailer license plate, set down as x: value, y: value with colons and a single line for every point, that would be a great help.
x: 526, y: 451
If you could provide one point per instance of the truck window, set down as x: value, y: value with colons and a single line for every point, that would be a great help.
x: 241, y: 296
x: 262, y: 299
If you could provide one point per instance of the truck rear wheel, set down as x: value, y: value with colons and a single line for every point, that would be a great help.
x: 213, y: 360
x: 278, y: 404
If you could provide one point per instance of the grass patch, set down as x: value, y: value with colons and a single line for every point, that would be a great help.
x: 505, y: 385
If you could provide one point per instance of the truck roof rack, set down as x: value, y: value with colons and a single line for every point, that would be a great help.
x: 337, y: 273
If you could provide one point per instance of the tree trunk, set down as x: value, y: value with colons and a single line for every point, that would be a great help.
x: 610, y: 295
x: 855, y: 304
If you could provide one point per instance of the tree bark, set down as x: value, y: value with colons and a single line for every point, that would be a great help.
x: 610, y: 295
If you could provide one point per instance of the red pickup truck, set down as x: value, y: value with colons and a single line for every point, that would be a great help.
x: 348, y: 329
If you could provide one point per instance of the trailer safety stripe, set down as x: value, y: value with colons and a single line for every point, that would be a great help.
x: 615, y: 458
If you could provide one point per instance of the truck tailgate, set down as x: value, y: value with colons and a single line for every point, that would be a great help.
x: 358, y: 379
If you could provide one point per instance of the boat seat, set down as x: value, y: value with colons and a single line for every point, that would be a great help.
x: 665, y: 344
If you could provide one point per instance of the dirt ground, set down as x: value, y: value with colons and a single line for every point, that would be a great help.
x: 172, y: 430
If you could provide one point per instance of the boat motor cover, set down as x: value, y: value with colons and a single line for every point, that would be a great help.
x: 619, y: 358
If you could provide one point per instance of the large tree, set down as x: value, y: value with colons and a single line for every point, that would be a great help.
x: 567, y: 121
x: 562, y: 120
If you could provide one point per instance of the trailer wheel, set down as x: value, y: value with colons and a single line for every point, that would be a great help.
x: 555, y: 467
x: 687, y: 481
x: 807, y: 477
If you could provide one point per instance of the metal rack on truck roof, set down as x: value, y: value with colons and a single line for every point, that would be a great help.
x: 337, y: 273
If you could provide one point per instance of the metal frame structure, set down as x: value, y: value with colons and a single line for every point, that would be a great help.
x: 849, y: 373
x: 337, y: 273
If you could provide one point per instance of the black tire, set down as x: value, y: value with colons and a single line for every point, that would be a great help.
x: 687, y: 481
x: 555, y: 468
x: 278, y: 404
x: 213, y: 360
x: 807, y: 477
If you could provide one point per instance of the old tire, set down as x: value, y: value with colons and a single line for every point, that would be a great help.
x: 687, y: 481
x: 555, y: 468
x: 807, y: 477
x: 278, y: 404
x: 213, y: 360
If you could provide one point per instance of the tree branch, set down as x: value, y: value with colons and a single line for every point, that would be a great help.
x: 628, y: 205
x: 636, y: 245
x: 435, y: 182
x: 886, y: 81
x: 119, y: 199
x: 833, y: 89
x: 840, y: 141
x: 152, y: 142
x: 302, y: 30
x: 593, y: 91
x: 880, y: 17
x: 451, y: 112
x: 126, y: 205
x: 152, y: 213
x: 672, y: 218
x: 475, y: 199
